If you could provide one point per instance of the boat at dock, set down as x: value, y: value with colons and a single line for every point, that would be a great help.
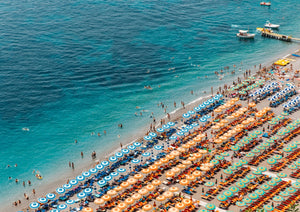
x: 265, y: 3
x: 245, y: 34
x: 272, y: 26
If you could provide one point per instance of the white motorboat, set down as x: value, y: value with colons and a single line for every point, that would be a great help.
x: 265, y: 3
x: 272, y: 26
x: 245, y: 34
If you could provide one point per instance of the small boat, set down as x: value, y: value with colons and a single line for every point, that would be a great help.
x: 265, y: 3
x: 272, y: 26
x: 245, y: 34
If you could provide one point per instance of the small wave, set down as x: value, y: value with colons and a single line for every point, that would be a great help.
x: 235, y: 25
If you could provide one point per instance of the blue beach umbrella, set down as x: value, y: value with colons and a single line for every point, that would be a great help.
x: 216, y: 97
x: 197, y: 109
x: 93, y: 171
x: 173, y: 137
x: 186, y: 115
x: 153, y: 134
x: 99, y: 167
x: 135, y: 161
x: 191, y: 112
x: 211, y: 100
x: 86, y: 174
x: 54, y: 210
x: 50, y: 196
x: 160, y: 130
x: 137, y: 144
x: 158, y: 147
x: 202, y: 119
x: 80, y: 178
x: 165, y: 126
x: 67, y: 186
x: 114, y: 174
x: 119, y: 154
x: 147, y: 138
x: 105, y: 163
x: 60, y: 190
x: 171, y: 123
x: 73, y: 182
x: 34, y: 205
x: 113, y: 159
x: 206, y: 103
x: 180, y: 133
x: 202, y: 106
x: 189, y: 127
x: 81, y: 195
x: 101, y: 183
x: 195, y: 124
x: 88, y: 190
x: 184, y: 130
x: 131, y: 147
x: 121, y: 170
x: 42, y: 200
x: 107, y: 178
x: 207, y: 116
x: 70, y: 202
x: 146, y: 154
x: 125, y: 151
x: 62, y: 206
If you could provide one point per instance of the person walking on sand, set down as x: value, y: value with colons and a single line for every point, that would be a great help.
x: 33, y: 191
x: 73, y: 166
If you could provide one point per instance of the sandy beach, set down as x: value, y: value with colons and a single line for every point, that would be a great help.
x: 177, y: 117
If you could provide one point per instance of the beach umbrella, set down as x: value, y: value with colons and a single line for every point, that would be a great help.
x: 281, y: 175
x: 122, y: 205
x: 224, y: 154
x: 129, y: 201
x: 60, y: 190
x: 258, y: 132
x: 173, y: 137
x: 147, y: 138
x: 42, y: 200
x: 293, y: 145
x: 227, y: 171
x: 180, y: 133
x: 232, y: 167
x: 184, y: 182
x: 131, y: 181
x: 270, y: 141
x: 268, y: 208
x: 247, y: 200
x: 171, y: 123
x: 114, y: 174
x: 153, y: 134
x: 253, y: 196
x: 131, y: 147
x: 297, y: 163
x: 215, y: 162
x: 240, y: 184
x: 277, y: 179
x: 221, y: 197
x: 54, y: 210
x: 81, y: 195
x: 165, y: 126
x: 245, y: 180
x: 125, y: 151
x: 271, y: 161
x: 277, y: 157
x: 137, y: 144
x: 265, y: 187
x: 161, y: 198
x: 287, y: 149
x: 70, y: 202
x: 210, y: 206
x: 260, y: 192
x: 67, y: 186
x: 116, y: 209
x: 34, y: 205
x: 186, y: 115
x: 118, y: 188
x: 262, y: 169
x: 237, y: 164
x: 161, y: 130
x: 227, y: 193
x: 106, y: 197
x: 233, y: 189
x: 278, y: 199
x: 158, y: 147
x: 73, y: 182
x: 235, y: 148
x: 168, y: 194
x: 272, y: 183
x: 88, y: 190
x: 197, y: 173
x: 146, y: 154
x: 296, y: 185
x: 243, y: 162
x: 257, y: 172
x: 261, y: 147
x: 202, y: 119
x: 290, y: 190
x: 219, y: 157
x: 147, y: 207
x: 80, y: 178
x: 284, y: 194
x: 135, y: 161
x: 50, y: 196
x: 121, y: 170
x: 107, y: 178
x: 195, y: 124
x: 265, y: 144
x: 173, y: 189
x: 207, y: 116
x: 138, y: 176
x: 62, y: 206
x: 250, y: 154
x: 104, y: 163
x: 293, y: 167
x: 93, y: 171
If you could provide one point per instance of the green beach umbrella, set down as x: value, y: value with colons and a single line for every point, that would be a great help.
x: 247, y: 200
x: 284, y: 113
x: 258, y: 132
x: 235, y: 148
x: 245, y: 141
x: 210, y: 206
x: 253, y: 135
x: 215, y: 162
x: 297, y: 121
x: 287, y: 149
x: 240, y: 184
x: 255, y: 150
x: 242, y: 92
x: 219, y: 157
x: 272, y: 122
x: 297, y: 163
x: 293, y: 124
x: 271, y: 161
x: 240, y: 204
x: 261, y: 147
x: 233, y: 189
x: 250, y: 154
x: 296, y: 185
x: 297, y: 142
x: 293, y: 145
x: 275, y: 119
x: 262, y: 169
x: 237, y: 164
x: 245, y: 180
x: 278, y: 198
x: 228, y: 193
x: 250, y: 176
x: 224, y: 154
x: 272, y: 183
x: 268, y: 208
x: 275, y: 137
x: 292, y: 166
x: 280, y: 133
x: 286, y: 130
x: 260, y: 192
x: 298, y: 180
x: 290, y: 127
x: 265, y: 144
x: 232, y: 167
x: 265, y: 187
x: 277, y: 179
x: 253, y: 196
x: 209, y: 184
x: 290, y: 190
x: 203, y: 210
x: 257, y: 172
x: 243, y: 162
x: 270, y: 141
x: 284, y: 194
x: 240, y: 144
x: 221, y: 197
x: 227, y: 171
x: 277, y: 157
x: 282, y: 175
x: 280, y: 117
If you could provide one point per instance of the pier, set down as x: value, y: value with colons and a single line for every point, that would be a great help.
x: 270, y: 34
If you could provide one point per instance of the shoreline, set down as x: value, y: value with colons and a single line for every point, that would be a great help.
x: 87, y: 164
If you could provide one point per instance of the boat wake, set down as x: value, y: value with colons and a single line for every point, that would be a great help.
x: 234, y: 26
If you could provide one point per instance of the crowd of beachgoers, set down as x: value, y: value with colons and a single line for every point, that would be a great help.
x: 239, y: 150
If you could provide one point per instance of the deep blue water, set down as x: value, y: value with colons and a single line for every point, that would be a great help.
x: 69, y: 68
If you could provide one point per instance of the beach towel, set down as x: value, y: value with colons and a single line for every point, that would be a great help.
x: 296, y: 55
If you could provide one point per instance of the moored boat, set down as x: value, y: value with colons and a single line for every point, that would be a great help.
x: 272, y: 26
x: 245, y: 34
x: 265, y: 3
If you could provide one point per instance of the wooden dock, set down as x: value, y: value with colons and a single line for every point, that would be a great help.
x: 270, y: 34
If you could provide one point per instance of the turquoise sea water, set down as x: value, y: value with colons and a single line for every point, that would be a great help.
x: 69, y: 68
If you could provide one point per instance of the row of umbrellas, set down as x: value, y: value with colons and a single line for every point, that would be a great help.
x: 282, y: 93
x: 265, y: 89
x: 292, y: 103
